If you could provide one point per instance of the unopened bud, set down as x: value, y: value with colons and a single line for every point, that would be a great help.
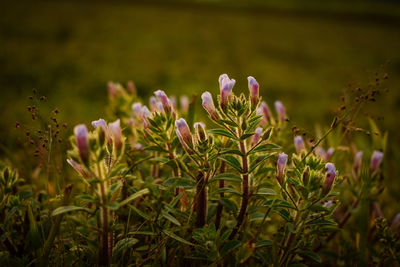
x: 376, y: 160
x: 329, y: 178
x: 200, y: 131
x: 208, y: 105
x: 184, y: 103
x: 82, y: 142
x: 225, y: 85
x: 280, y: 167
x: 79, y: 168
x: 357, y: 162
x: 183, y: 132
x: 165, y: 101
x: 280, y: 110
x: 257, y: 136
x: 254, y: 91
x: 299, y: 144
x: 116, y: 132
x: 306, y: 175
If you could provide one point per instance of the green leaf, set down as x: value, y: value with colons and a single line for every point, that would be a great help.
x: 177, y: 238
x: 266, y: 191
x: 259, y: 160
x: 264, y: 148
x: 311, y: 254
x: 234, y: 162
x: 142, y: 233
x: 64, y: 209
x: 140, y: 213
x: 134, y: 196
x: 264, y: 243
x: 230, y: 123
x: 171, y: 218
x: 155, y: 148
x: 231, y: 151
x: 180, y: 181
x: 230, y: 177
x: 322, y: 222
x: 228, y: 204
x: 247, y: 135
x: 230, y: 246
x: 222, y: 132
x: 123, y: 244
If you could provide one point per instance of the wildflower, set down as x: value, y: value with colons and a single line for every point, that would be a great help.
x: 200, y: 131
x: 184, y: 103
x: 165, y: 101
x: 280, y: 110
x: 116, y: 132
x: 264, y: 110
x: 253, y: 87
x: 137, y: 109
x: 155, y: 105
x: 357, y: 162
x: 225, y: 86
x: 299, y: 144
x: 172, y: 99
x: 257, y: 135
x: 376, y: 160
x: 208, y: 105
x: 145, y: 114
x: 131, y: 87
x: 280, y: 167
x: 328, y: 204
x: 329, y: 153
x: 184, y: 135
x: 329, y: 178
x: 82, y: 142
x: 79, y: 168
x: 100, y: 123
x: 112, y: 89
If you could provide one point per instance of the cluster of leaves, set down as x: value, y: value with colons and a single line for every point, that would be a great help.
x: 151, y: 189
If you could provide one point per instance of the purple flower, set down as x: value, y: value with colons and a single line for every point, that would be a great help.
x: 82, y: 142
x: 131, y: 87
x: 329, y: 178
x: 155, y: 105
x: 184, y: 103
x: 329, y: 153
x: 100, y: 123
x: 299, y: 144
x: 280, y: 167
x: 208, y: 105
x: 183, y: 132
x: 137, y: 109
x: 79, y: 168
x: 145, y: 114
x: 376, y: 160
x: 357, y: 162
x: 165, y: 101
x: 280, y: 110
x: 200, y: 131
x: 116, y: 133
x: 264, y: 110
x: 253, y: 87
x: 257, y: 135
x: 225, y: 86
x: 112, y: 89
x: 172, y: 99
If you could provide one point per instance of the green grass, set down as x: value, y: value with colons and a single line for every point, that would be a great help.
x: 69, y: 50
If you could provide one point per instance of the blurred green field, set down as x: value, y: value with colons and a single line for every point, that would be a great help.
x: 304, y: 57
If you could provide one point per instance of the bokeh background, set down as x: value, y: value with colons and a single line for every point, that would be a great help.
x: 304, y: 53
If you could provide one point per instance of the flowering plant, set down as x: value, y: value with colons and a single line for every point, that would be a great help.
x: 158, y: 188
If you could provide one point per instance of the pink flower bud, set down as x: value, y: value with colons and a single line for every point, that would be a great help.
x: 166, y: 103
x: 145, y: 114
x: 82, y: 142
x: 116, y: 133
x: 280, y: 167
x: 184, y: 103
x: 131, y: 87
x: 100, y: 123
x: 257, y: 135
x: 172, y: 99
x: 329, y: 153
x: 376, y: 160
x: 208, y: 105
x: 299, y: 144
x: 137, y: 109
x: 200, y: 131
x: 154, y: 104
x: 183, y: 132
x: 253, y: 87
x: 225, y: 85
x: 329, y: 178
x: 280, y: 110
x: 79, y: 168
x: 357, y: 162
x: 264, y: 110
x: 112, y: 89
